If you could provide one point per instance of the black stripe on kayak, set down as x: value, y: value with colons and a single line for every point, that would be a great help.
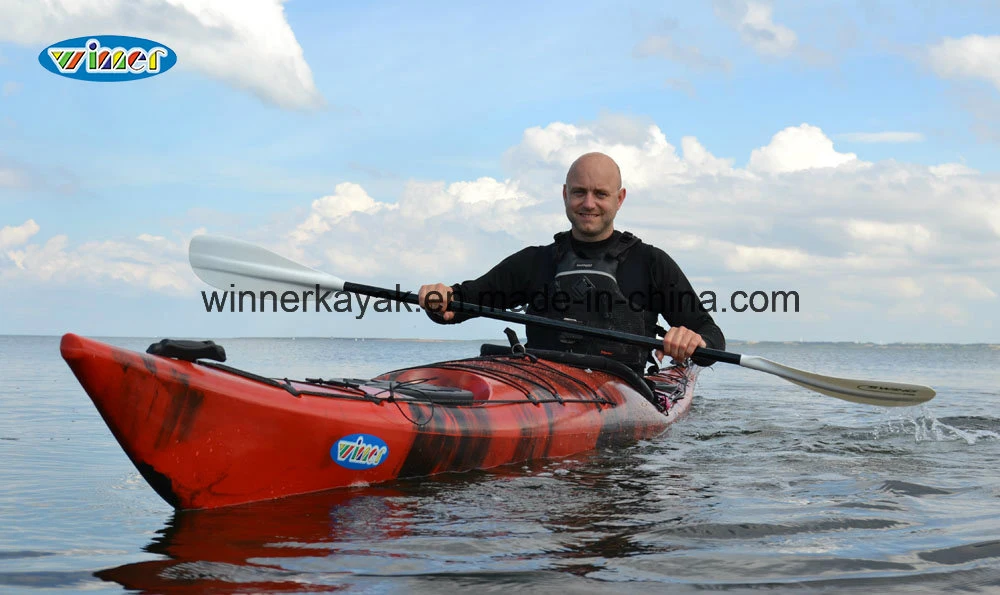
x: 184, y: 404
x: 474, y: 446
x: 428, y: 445
x: 551, y: 420
x: 526, y: 444
x: 612, y: 420
x: 613, y: 429
x: 160, y: 483
x: 181, y: 412
x: 452, y: 436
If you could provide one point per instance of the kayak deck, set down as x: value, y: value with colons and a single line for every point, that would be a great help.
x: 205, y: 435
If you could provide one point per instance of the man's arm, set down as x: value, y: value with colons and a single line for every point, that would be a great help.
x: 680, y: 305
x: 504, y: 286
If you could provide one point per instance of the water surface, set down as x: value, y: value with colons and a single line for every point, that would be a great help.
x: 763, y: 485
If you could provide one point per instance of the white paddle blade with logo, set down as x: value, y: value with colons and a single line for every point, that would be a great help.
x: 869, y: 392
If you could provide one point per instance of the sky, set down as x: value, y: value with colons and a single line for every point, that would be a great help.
x: 847, y: 151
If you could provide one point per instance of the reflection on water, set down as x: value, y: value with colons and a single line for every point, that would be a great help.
x: 247, y: 546
x: 613, y: 517
x: 547, y: 516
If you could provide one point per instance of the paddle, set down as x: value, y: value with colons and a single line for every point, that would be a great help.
x: 230, y: 264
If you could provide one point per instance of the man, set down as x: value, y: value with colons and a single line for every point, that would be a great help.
x: 594, y: 275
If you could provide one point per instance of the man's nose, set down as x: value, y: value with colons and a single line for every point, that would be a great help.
x: 589, y: 200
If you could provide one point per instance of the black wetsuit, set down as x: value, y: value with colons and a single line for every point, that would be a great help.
x: 649, y: 278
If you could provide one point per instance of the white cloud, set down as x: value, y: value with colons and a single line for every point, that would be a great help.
x: 759, y: 30
x: 432, y: 224
x: 248, y: 45
x: 329, y: 210
x: 913, y: 236
x: 754, y: 20
x: 701, y: 161
x: 871, y: 243
x: 953, y: 313
x: 425, y: 200
x: 854, y: 286
x: 882, y: 137
x: 993, y: 217
x: 11, y: 236
x: 641, y: 149
x: 682, y: 85
x: 905, y: 287
x: 152, y: 263
x: 972, y: 56
x: 12, y: 173
x: 11, y: 178
x: 968, y: 287
x: 750, y: 258
x: 485, y: 190
x: 665, y: 46
x: 796, y: 149
x: 495, y: 204
x: 952, y: 169
x: 10, y: 88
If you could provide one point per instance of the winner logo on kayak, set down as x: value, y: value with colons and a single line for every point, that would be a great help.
x: 359, y: 451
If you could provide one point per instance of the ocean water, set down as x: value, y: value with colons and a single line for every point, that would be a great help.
x: 764, y: 485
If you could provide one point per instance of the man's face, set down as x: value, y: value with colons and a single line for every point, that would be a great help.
x: 592, y: 195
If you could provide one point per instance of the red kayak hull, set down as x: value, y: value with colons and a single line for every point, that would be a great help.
x: 204, y: 437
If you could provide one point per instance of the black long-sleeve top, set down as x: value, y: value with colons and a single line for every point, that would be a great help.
x: 647, y: 276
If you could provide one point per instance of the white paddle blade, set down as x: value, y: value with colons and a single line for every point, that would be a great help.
x: 231, y: 264
x: 868, y: 392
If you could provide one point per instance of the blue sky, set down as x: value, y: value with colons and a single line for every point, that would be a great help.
x: 357, y: 117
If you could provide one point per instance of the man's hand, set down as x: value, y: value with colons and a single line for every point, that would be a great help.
x: 435, y: 298
x: 679, y: 343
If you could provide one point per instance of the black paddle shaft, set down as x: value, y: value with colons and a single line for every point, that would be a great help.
x: 520, y: 318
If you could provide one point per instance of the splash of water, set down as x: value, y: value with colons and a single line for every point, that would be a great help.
x: 929, y: 428
x: 925, y: 427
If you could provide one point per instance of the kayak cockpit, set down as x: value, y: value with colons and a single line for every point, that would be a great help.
x: 418, y: 389
x: 538, y: 377
x: 493, y: 377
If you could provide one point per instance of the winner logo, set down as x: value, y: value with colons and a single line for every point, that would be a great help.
x: 107, y: 58
x: 359, y: 451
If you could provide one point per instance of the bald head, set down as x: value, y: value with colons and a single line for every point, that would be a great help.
x: 596, y: 165
x: 593, y: 194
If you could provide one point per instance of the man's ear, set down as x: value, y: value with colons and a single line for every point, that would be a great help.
x: 621, y: 196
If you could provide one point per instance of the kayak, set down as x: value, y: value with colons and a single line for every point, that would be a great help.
x: 205, y: 435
